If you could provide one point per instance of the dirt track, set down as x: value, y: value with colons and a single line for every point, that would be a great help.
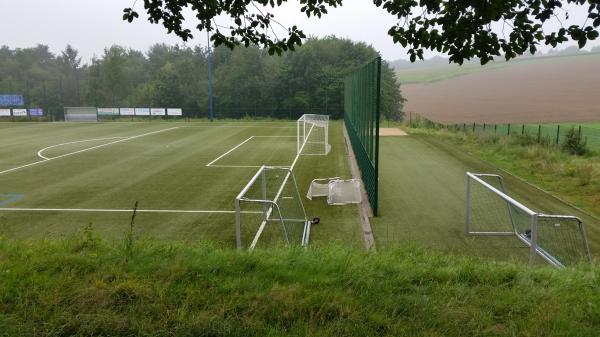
x: 521, y: 93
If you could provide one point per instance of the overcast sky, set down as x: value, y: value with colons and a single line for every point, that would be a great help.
x: 91, y: 25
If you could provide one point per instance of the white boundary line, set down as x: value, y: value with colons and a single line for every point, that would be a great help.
x: 75, y: 142
x: 108, y: 210
x: 84, y: 150
x: 211, y: 164
x: 231, y: 150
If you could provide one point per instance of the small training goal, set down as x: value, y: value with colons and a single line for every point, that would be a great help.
x: 269, y: 211
x: 81, y: 114
x: 558, y: 239
x: 313, y: 135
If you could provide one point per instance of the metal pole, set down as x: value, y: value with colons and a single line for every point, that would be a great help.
x: 468, y: 210
x: 539, y: 133
x: 557, y: 133
x: 210, y: 96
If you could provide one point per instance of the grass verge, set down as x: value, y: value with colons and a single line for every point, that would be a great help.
x: 82, y: 285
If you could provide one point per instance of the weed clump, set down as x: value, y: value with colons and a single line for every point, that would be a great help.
x: 574, y: 143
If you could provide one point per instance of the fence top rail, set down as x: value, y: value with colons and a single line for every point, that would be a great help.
x: 475, y: 176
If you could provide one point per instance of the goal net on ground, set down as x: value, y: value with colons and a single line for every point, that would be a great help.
x: 338, y: 191
x: 269, y: 211
x: 558, y: 239
x: 313, y: 135
x: 81, y: 114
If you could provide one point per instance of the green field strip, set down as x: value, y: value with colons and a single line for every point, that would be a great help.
x: 423, y: 200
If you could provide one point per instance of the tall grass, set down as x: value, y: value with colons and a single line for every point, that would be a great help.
x: 71, y: 287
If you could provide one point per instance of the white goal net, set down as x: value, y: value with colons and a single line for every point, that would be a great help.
x: 269, y: 211
x: 81, y: 114
x: 313, y: 135
x: 558, y: 239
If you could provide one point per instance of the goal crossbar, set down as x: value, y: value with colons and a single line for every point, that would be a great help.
x: 535, y: 221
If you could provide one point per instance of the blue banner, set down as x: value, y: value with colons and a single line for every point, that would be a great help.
x: 36, y: 112
x: 11, y: 100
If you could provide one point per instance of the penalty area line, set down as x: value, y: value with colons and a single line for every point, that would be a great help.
x: 108, y: 210
x: 231, y: 150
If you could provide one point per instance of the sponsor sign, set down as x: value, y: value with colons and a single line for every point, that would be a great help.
x: 36, y: 112
x: 157, y: 111
x: 142, y: 111
x: 11, y: 100
x: 4, y: 112
x: 127, y: 111
x: 108, y: 111
x: 19, y: 112
x: 174, y: 112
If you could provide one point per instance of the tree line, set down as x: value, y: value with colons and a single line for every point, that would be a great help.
x: 246, y: 81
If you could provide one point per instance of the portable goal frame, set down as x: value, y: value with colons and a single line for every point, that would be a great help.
x: 313, y: 135
x: 528, y: 231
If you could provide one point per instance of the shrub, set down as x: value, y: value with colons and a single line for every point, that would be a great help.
x: 574, y: 143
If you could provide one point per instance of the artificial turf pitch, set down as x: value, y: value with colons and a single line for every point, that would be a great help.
x: 422, y: 184
x: 163, y: 166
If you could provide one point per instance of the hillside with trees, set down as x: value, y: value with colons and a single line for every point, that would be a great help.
x: 246, y: 81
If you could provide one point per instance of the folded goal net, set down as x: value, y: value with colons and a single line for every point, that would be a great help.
x: 313, y: 135
x: 558, y: 239
x: 269, y: 211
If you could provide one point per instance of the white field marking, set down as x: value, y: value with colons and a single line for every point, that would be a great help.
x: 75, y: 142
x: 231, y: 150
x: 248, y: 166
x: 238, y: 126
x: 84, y: 150
x: 275, y: 136
x: 108, y: 210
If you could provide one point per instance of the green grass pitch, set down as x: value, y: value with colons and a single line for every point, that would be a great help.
x: 163, y: 166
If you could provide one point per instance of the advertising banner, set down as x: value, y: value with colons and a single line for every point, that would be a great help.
x: 157, y: 111
x: 4, y: 112
x: 142, y: 111
x: 37, y: 112
x: 108, y: 111
x: 174, y: 112
x: 19, y: 112
x: 127, y: 111
x: 11, y: 100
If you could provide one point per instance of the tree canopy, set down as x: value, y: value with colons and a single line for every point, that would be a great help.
x: 463, y: 29
x: 247, y: 81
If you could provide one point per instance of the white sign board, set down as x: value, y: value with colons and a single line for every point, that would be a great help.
x: 4, y: 112
x: 157, y: 111
x: 108, y: 111
x: 142, y: 112
x: 20, y: 112
x: 127, y: 111
x: 174, y: 112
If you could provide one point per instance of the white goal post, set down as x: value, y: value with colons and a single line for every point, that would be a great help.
x: 81, y: 114
x: 269, y: 209
x: 313, y: 135
x: 559, y: 239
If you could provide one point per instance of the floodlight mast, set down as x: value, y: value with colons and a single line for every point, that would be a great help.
x: 210, y: 96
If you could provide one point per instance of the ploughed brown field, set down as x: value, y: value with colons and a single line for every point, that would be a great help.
x: 524, y: 92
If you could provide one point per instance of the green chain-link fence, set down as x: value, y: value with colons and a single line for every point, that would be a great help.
x: 362, y: 92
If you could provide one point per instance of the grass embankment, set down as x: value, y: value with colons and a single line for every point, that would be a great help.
x: 575, y: 179
x: 83, y: 286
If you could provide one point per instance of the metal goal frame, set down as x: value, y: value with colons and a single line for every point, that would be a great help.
x: 530, y: 239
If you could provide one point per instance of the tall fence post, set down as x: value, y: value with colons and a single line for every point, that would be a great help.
x: 580, y: 131
x: 473, y: 127
x: 508, y: 132
x: 557, y: 133
x: 523, y: 130
x: 495, y: 127
x: 539, y: 138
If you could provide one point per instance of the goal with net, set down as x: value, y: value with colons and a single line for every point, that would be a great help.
x: 269, y: 211
x: 313, y: 135
x: 558, y: 239
x: 81, y: 114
